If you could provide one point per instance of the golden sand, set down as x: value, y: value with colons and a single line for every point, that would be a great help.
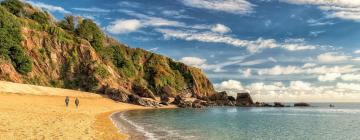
x: 34, y: 112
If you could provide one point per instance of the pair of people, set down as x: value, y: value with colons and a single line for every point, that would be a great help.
x: 67, y: 100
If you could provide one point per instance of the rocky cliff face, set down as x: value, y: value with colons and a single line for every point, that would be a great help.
x: 61, y: 56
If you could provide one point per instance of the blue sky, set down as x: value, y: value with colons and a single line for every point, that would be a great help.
x: 279, y: 50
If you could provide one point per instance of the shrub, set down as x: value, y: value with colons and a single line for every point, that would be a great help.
x: 40, y: 17
x: 68, y: 23
x: 13, y: 6
x: 10, y: 42
x: 19, y: 60
x: 88, y: 30
x: 102, y: 72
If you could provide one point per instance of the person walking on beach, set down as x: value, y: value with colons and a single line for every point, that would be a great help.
x: 67, y: 101
x: 77, y: 102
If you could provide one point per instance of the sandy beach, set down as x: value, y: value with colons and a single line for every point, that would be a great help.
x: 35, y: 112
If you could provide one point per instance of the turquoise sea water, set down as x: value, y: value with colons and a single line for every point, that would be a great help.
x: 234, y: 123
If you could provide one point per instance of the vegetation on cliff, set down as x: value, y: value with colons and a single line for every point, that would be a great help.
x: 10, y: 41
x: 75, y: 53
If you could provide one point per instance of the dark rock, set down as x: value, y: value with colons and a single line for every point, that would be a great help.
x: 164, y: 103
x: 231, y: 98
x: 205, y: 103
x: 197, y: 104
x: 244, y: 99
x: 164, y: 99
x: 167, y: 90
x: 143, y: 92
x: 278, y: 104
x: 135, y: 99
x: 185, y: 104
x: 301, y: 105
x: 116, y: 95
x: 219, y: 96
x: 178, y: 99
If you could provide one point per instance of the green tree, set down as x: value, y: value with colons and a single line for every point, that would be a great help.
x: 88, y: 30
x: 68, y: 23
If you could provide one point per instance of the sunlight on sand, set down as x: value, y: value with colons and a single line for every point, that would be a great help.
x: 34, y: 112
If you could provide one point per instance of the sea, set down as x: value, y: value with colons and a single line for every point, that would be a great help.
x: 319, y: 122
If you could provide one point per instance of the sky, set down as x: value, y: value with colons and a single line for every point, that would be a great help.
x: 279, y: 50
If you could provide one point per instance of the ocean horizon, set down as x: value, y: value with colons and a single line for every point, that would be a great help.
x: 233, y: 123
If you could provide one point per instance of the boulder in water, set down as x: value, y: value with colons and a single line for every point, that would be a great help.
x: 278, y: 104
x: 301, y: 105
x: 244, y: 99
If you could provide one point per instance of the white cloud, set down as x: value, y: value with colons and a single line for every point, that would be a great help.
x: 344, y: 9
x: 255, y: 62
x: 333, y: 69
x: 357, y: 51
x: 351, y: 77
x: 229, y: 85
x: 229, y: 6
x: 201, y: 63
x: 309, y: 65
x: 289, y: 70
x: 331, y: 57
x: 279, y: 70
x: 121, y: 26
x: 193, y: 61
x: 92, y: 9
x: 247, y: 73
x: 348, y: 86
x: 357, y: 59
x: 259, y: 87
x: 124, y: 26
x: 49, y: 7
x: 252, y: 46
x: 300, y: 85
x: 329, y: 77
x: 220, y: 28
x: 130, y: 25
x: 157, y: 22
x: 298, y: 47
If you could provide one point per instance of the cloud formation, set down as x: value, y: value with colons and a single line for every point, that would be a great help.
x: 343, y: 9
x: 289, y: 70
x: 92, y: 9
x: 331, y: 57
x: 124, y: 26
x: 220, y: 28
x: 51, y: 8
x: 230, y: 6
x: 252, y: 46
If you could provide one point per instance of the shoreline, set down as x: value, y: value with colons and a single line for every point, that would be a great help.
x: 104, y: 120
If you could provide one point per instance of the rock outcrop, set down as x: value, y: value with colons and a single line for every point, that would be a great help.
x: 301, y: 105
x: 244, y: 99
x: 278, y: 104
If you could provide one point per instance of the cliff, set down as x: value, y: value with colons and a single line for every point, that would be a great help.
x: 74, y: 53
